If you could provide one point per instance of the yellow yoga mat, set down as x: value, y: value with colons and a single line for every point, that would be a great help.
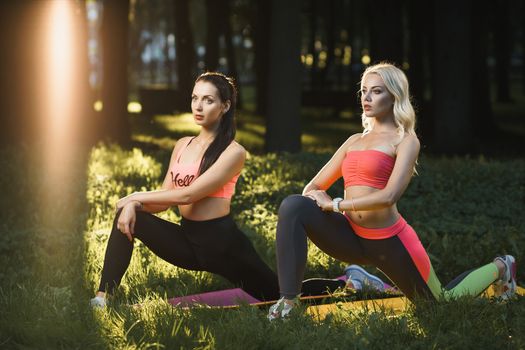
x: 396, y: 305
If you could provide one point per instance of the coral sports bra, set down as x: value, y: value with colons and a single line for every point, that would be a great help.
x: 367, y: 168
x: 182, y: 175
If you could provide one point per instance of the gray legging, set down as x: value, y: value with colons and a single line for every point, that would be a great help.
x: 401, y: 257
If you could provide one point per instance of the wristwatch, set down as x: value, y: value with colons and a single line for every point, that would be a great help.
x: 335, y: 204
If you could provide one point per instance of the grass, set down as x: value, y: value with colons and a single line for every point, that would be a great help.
x: 465, y: 209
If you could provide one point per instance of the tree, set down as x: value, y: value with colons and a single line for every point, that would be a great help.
x: 230, y: 50
x: 416, y: 21
x: 521, y: 19
x: 502, y: 46
x: 283, y: 131
x: 185, y: 50
x: 356, y: 41
x: 420, y: 44
x: 20, y: 96
x: 218, y: 22
x: 261, y: 49
x: 26, y: 80
x: 452, y: 86
x: 214, y: 24
x: 482, y: 118
x: 330, y: 22
x: 386, y: 31
x: 9, y: 32
x: 115, y: 51
x: 314, y: 71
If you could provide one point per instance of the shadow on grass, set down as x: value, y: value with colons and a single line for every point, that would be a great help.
x: 44, y: 300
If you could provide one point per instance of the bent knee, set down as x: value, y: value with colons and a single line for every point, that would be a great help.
x: 296, y: 204
x: 117, y: 215
x: 144, y: 216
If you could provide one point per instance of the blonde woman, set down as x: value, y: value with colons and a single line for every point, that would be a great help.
x: 365, y: 227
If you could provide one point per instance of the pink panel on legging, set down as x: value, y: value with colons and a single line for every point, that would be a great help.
x: 416, y: 250
x: 378, y: 233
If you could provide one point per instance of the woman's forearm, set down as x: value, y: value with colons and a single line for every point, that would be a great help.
x: 154, y: 208
x: 310, y: 187
x: 163, y: 198
x: 372, y: 201
x: 156, y: 200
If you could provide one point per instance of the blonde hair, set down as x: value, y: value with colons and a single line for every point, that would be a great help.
x: 396, y: 83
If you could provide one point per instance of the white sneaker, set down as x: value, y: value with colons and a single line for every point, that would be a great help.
x: 281, y: 309
x: 98, y: 302
x: 505, y: 288
x: 361, y: 278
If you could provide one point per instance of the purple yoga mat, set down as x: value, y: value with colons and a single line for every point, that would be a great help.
x: 227, y: 297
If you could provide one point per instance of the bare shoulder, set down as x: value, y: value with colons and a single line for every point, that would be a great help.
x: 236, y: 146
x: 182, y: 140
x: 350, y: 141
x: 354, y: 137
x: 236, y: 150
x: 410, y: 143
x: 179, y: 144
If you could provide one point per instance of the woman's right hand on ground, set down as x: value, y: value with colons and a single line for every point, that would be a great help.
x: 126, y: 220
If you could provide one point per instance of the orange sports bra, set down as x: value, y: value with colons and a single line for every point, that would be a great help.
x: 367, y: 168
x: 182, y: 175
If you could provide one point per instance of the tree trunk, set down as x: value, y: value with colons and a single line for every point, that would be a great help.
x: 343, y: 12
x: 502, y: 47
x: 452, y: 84
x: 10, y: 118
x: 185, y: 52
x: 283, y: 131
x: 314, y: 73
x: 418, y: 20
x: 331, y: 34
x: 261, y: 50
x: 386, y: 31
x: 356, y: 38
x: 482, y: 118
x: 214, y: 23
x: 20, y: 68
x: 151, y: 27
x: 168, y: 63
x: 115, y: 48
x: 85, y: 125
x: 26, y: 82
x: 416, y: 54
x: 522, y: 11
x: 230, y: 49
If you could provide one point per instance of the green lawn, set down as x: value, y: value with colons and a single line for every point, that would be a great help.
x: 465, y: 209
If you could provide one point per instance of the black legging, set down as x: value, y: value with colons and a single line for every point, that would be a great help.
x: 216, y: 246
x: 401, y: 257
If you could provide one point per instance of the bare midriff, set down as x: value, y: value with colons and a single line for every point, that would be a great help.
x: 377, y: 218
x: 206, y: 209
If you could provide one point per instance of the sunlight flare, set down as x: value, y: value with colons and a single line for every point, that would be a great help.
x: 63, y: 95
x: 60, y: 66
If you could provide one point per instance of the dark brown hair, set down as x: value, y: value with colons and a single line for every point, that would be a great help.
x: 226, y: 132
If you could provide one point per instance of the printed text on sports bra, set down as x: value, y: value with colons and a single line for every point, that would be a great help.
x: 182, y: 182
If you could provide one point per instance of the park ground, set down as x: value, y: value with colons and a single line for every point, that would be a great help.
x: 465, y: 208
